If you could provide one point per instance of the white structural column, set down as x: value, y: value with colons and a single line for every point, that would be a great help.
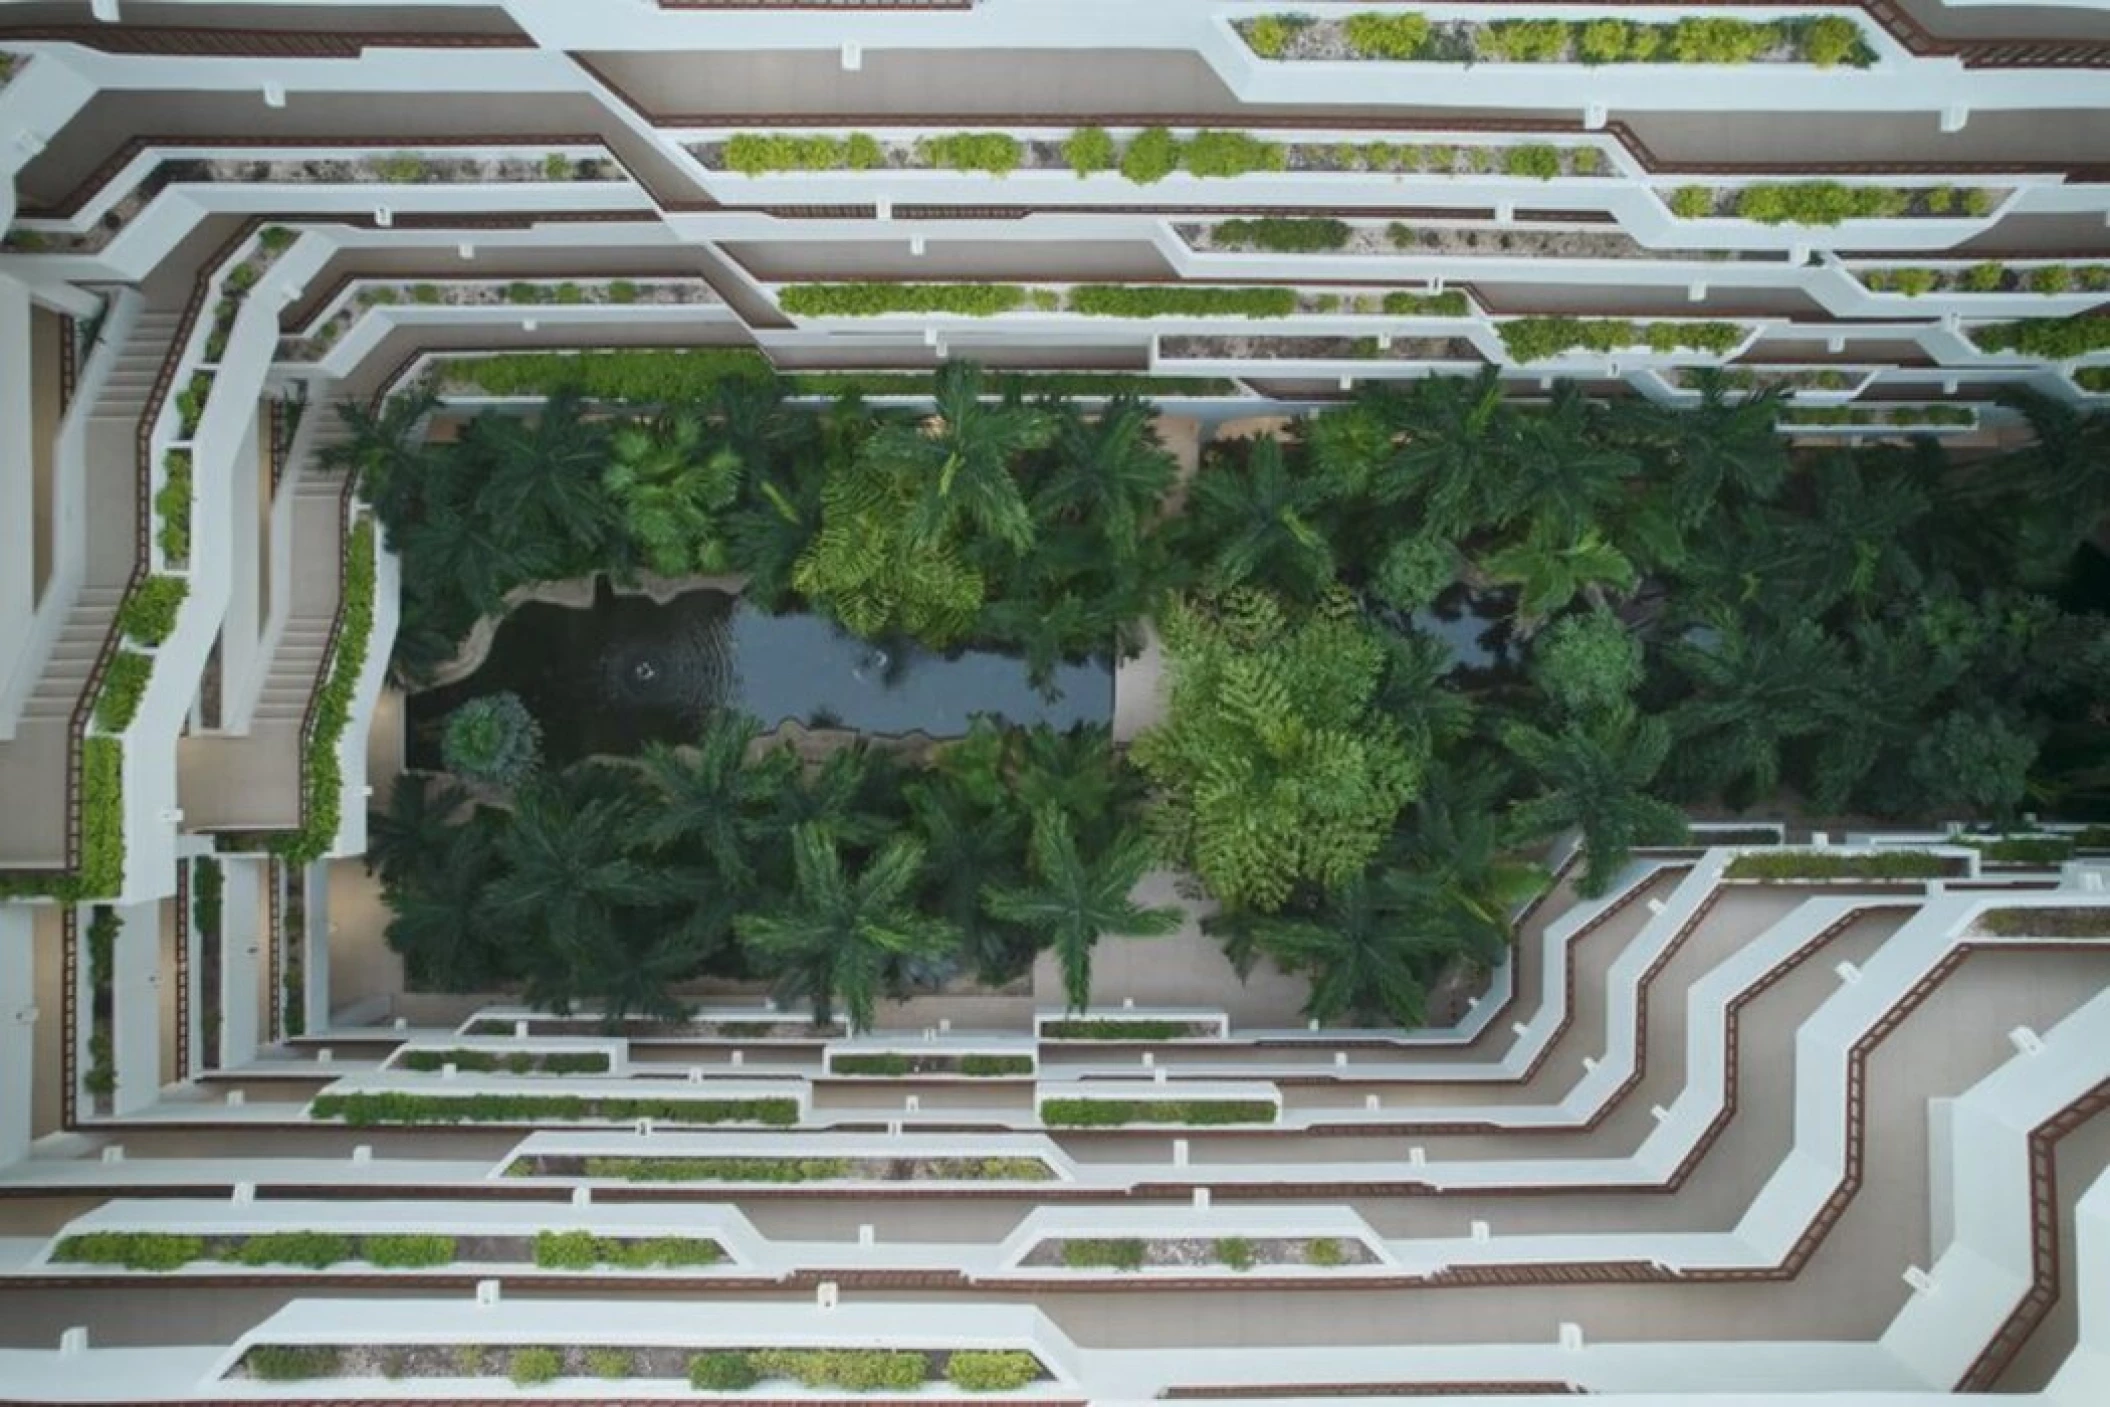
x: 18, y: 1018
x: 241, y: 959
x: 17, y: 473
x: 315, y: 945
x: 135, y: 1040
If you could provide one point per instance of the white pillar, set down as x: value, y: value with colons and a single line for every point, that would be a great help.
x: 18, y: 1034
x: 241, y: 959
x: 135, y: 1044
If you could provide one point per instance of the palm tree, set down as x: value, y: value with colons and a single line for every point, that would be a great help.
x: 708, y: 798
x: 970, y: 847
x: 1592, y: 775
x: 1460, y: 439
x: 543, y: 477
x: 1109, y: 470
x: 1720, y: 447
x: 627, y: 969
x: 1856, y: 542
x: 1550, y: 571
x: 414, y: 829
x: 672, y: 486
x: 837, y: 935
x: 1452, y: 866
x: 958, y: 463
x: 467, y: 556
x: 1073, y: 900
x: 1255, y: 522
x: 1758, y: 692
x: 832, y: 800
x: 1077, y: 772
x: 1564, y: 477
x: 386, y: 455
x: 1365, y: 954
x: 440, y: 919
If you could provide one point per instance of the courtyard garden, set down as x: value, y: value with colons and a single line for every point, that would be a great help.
x: 1405, y: 639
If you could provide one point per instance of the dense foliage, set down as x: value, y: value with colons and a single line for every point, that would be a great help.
x: 1671, y: 610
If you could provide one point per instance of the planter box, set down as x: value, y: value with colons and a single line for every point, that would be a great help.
x: 1133, y: 1025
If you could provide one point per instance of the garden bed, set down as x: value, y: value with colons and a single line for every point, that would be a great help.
x: 1113, y: 1113
x: 324, y: 1250
x: 312, y: 344
x: 2077, y: 922
x: 1261, y: 348
x: 893, y: 1065
x: 367, y: 1109
x: 1238, y: 1253
x: 764, y: 1029
x: 782, y: 1170
x: 1791, y: 865
x: 716, y: 1371
x: 1825, y: 41
x: 1139, y: 1029
x: 1826, y: 203
x: 1277, y: 236
x: 1987, y: 277
x: 510, y: 1062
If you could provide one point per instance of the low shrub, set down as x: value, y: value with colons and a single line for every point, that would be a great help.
x: 1692, y: 202
x: 366, y: 1109
x: 531, y: 1367
x: 134, y: 1250
x: 1818, y: 203
x: 2023, y: 849
x: 1116, y: 1030
x: 1448, y: 304
x: 1161, y: 301
x: 493, y: 740
x: 322, y: 780
x: 995, y: 1066
x: 102, y: 870
x: 1235, y: 1252
x: 1831, y: 40
x: 1270, y: 35
x: 1524, y: 41
x: 994, y: 152
x: 1090, y: 149
x: 1151, y: 156
x: 2055, y: 339
x: 722, y: 1372
x: 1125, y: 1253
x: 190, y: 404
x: 124, y: 685
x: 148, y: 614
x: 172, y: 506
x: 610, y: 1363
x: 1534, y: 339
x: 719, y: 1169
x: 1400, y: 37
x: 2047, y: 923
x: 574, y: 1062
x: 1281, y: 236
x: 864, y: 300
x: 757, y: 153
x: 853, y: 1369
x: 407, y: 1252
x: 582, y: 1250
x: 285, y: 1363
x: 1219, y: 153
x: 1824, y: 864
x: 991, y: 1370
x: 1102, y: 1113
x: 316, y: 1250
x: 869, y: 1065
x: 1535, y: 159
x: 1323, y: 1250
x: 2051, y: 278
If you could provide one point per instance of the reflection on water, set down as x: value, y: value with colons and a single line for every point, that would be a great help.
x: 629, y: 671
x: 1476, y: 627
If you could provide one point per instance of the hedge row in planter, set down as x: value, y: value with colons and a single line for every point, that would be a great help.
x: 2021, y: 849
x: 894, y: 1064
x: 2054, y: 338
x: 172, y: 507
x: 861, y: 1369
x: 1107, y: 1113
x: 858, y: 300
x: 1114, y: 1029
x: 365, y: 1109
x: 1281, y: 236
x: 813, y: 1169
x: 1902, y: 416
x: 994, y: 152
x: 1534, y: 339
x: 2047, y: 923
x: 322, y: 780
x: 659, y: 375
x: 148, y: 614
x: 756, y: 153
x: 511, y: 1062
x: 863, y: 300
x: 101, y: 872
x: 313, y: 1250
x: 1151, y: 301
x: 124, y: 685
x: 1826, y: 202
x: 1824, y: 40
x: 582, y: 1250
x: 1824, y: 864
x: 1988, y: 277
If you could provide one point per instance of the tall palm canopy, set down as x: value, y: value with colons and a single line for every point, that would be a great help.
x: 1074, y: 899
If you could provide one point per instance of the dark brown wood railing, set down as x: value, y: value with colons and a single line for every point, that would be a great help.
x: 201, y: 41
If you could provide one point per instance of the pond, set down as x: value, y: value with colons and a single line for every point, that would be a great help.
x: 1476, y: 628
x: 628, y: 671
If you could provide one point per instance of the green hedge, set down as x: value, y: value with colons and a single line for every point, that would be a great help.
x: 582, y: 1250
x: 532, y: 1367
x: 313, y: 1250
x: 2022, y: 849
x: 285, y: 1363
x: 2055, y: 339
x: 852, y: 1369
x: 134, y: 1250
x: 172, y: 506
x: 864, y: 300
x: 891, y: 1064
x: 1534, y: 339
x: 994, y: 152
x: 1105, y: 1113
x: 1090, y: 149
x: 322, y: 780
x: 1797, y: 417
x: 124, y: 685
x: 363, y: 1110
x: 511, y: 1062
x: 1826, y: 41
x: 992, y: 1066
x: 754, y: 153
x: 1448, y: 304
x: 102, y: 802
x: 1124, y: 1253
x: 1158, y: 301
x: 316, y: 1250
x: 149, y: 610
x: 2047, y: 923
x: 991, y: 1370
x: 1282, y: 236
x: 720, y: 1169
x: 1824, y: 864
x: 407, y: 1251
x: 1117, y: 1030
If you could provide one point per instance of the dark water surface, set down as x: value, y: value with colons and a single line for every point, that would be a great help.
x: 629, y: 671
